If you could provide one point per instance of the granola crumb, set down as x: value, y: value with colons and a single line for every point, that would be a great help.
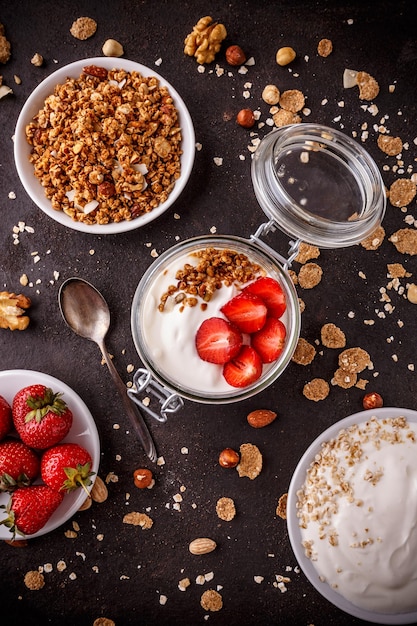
x: 354, y: 360
x: 211, y: 600
x: 225, y: 509
x: 405, y: 240
x: 292, y: 100
x: 283, y: 117
x: 138, y: 519
x: 397, y: 270
x: 306, y: 252
x: 332, y: 336
x: 281, y: 509
x: 83, y: 28
x: 402, y: 192
x: 368, y: 86
x: 183, y: 584
x: 103, y: 621
x: 250, y: 464
x: 309, y: 275
x: 316, y: 390
x: 34, y: 580
x: 324, y: 47
x: 390, y: 145
x: 304, y: 352
x: 374, y: 240
x: 344, y: 379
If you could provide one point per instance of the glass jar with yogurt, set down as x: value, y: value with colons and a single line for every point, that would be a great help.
x: 316, y: 185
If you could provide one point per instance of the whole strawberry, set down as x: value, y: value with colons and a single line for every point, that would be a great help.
x: 41, y: 417
x: 29, y: 509
x: 6, y: 421
x: 19, y: 465
x: 66, y: 467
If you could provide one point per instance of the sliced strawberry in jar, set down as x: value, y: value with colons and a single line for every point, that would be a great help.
x: 272, y: 294
x: 270, y: 340
x: 217, y: 340
x: 244, y: 369
x: 246, y: 311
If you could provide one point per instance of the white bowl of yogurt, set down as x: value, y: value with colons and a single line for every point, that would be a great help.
x: 352, y: 511
x: 164, y: 329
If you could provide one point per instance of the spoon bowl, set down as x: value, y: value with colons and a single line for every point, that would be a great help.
x: 86, y: 312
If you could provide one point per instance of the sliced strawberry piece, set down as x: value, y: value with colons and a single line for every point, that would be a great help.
x: 270, y: 340
x: 244, y: 369
x: 247, y: 311
x: 217, y: 340
x: 272, y: 294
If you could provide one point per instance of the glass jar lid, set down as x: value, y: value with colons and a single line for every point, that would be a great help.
x: 318, y: 185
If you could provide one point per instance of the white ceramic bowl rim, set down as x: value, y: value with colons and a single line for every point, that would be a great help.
x: 293, y: 525
x: 22, y: 148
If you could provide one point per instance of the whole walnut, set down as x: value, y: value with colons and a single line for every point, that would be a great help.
x: 205, y: 40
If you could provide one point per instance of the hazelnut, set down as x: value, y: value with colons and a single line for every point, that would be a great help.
x: 285, y: 55
x: 372, y: 401
x: 271, y: 94
x: 235, y: 55
x: 245, y: 118
x: 229, y: 458
x: 112, y: 48
x: 142, y: 478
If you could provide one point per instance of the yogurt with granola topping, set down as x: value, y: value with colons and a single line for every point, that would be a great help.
x: 166, y: 316
x: 357, y: 512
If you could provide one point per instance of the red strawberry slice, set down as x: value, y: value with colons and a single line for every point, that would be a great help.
x: 247, y: 311
x: 244, y: 369
x: 270, y: 340
x: 217, y: 341
x: 271, y: 292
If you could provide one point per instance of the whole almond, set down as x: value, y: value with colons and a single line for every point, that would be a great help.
x: 203, y: 545
x: 99, y: 491
x: 261, y: 418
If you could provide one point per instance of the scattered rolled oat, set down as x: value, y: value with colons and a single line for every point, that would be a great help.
x: 317, y: 389
x: 281, y: 510
x: 374, y: 240
x: 354, y: 360
x: 34, y: 580
x: 83, y: 28
x: 183, y: 584
x: 309, y: 275
x: 324, y: 47
x: 405, y: 240
x: 304, y: 352
x: 390, y: 145
x: 211, y: 600
x: 292, y: 100
x: 344, y: 379
x: 138, y: 519
x: 250, y: 464
x: 332, y: 336
x: 402, y: 192
x: 306, y: 252
x: 368, y: 86
x: 225, y: 509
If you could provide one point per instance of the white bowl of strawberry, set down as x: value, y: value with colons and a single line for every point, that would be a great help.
x: 49, y: 453
x: 215, y: 319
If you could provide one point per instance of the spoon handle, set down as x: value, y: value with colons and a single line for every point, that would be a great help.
x: 131, y: 409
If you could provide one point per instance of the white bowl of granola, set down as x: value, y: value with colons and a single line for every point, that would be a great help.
x: 104, y: 145
x: 351, y: 511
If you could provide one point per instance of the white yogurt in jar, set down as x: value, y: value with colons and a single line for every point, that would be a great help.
x: 169, y: 334
x: 357, y: 512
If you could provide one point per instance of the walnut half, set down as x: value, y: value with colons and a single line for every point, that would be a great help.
x: 12, y: 309
x: 205, y: 40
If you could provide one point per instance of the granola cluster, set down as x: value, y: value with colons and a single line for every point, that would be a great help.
x: 106, y: 145
x: 215, y: 267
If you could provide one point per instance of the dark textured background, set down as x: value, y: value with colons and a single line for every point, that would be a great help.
x: 134, y: 566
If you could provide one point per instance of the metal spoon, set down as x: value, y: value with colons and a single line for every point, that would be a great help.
x: 86, y: 312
